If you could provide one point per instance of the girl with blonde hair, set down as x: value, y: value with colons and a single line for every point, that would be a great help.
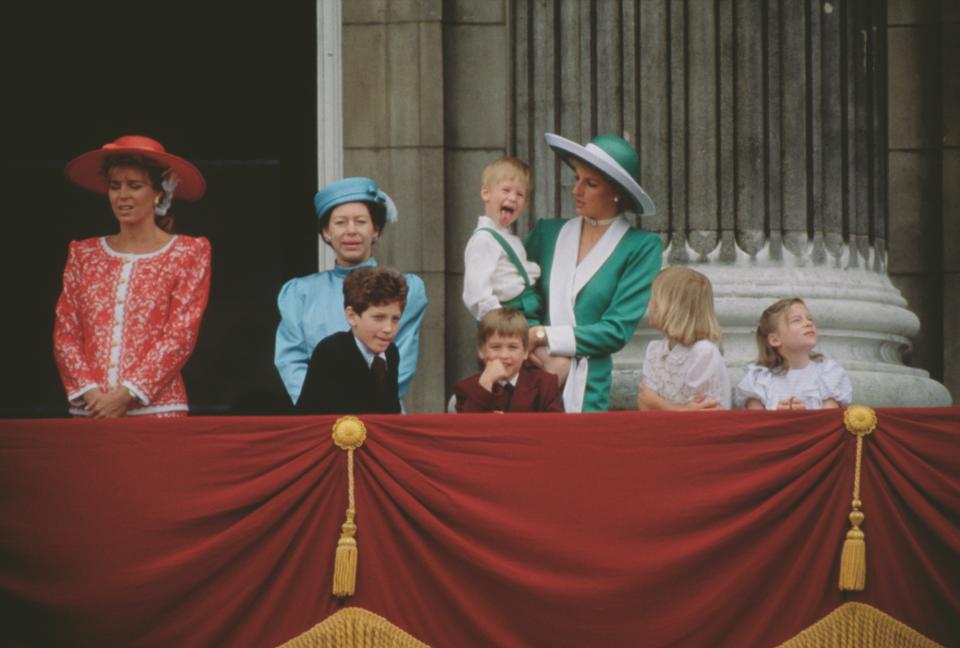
x: 683, y: 371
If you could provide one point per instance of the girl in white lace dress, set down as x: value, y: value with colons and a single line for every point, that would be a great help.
x: 684, y: 371
x: 787, y: 373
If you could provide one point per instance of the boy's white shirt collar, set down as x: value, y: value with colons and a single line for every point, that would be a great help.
x: 368, y: 355
x: 512, y: 381
x: 486, y: 221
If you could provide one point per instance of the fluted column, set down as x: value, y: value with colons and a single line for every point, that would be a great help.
x: 761, y: 130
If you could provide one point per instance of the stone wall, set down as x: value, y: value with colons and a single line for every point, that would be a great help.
x: 477, y: 53
x: 950, y: 85
x: 431, y: 91
x: 393, y: 114
x: 924, y: 177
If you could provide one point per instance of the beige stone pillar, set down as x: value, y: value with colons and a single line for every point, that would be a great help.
x: 393, y: 71
x: 477, y: 55
x: 924, y: 168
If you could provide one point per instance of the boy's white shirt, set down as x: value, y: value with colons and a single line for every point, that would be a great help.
x: 368, y: 355
x: 512, y: 381
x: 489, y: 278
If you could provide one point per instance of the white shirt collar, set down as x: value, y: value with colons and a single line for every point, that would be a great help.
x: 486, y: 221
x: 512, y: 381
x: 368, y: 355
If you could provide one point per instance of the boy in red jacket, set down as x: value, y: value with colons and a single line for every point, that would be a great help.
x: 506, y: 384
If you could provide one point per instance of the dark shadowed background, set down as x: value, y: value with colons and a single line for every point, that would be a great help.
x: 230, y: 88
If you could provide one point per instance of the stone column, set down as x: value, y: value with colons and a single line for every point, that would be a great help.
x: 923, y: 41
x: 477, y: 117
x: 762, y: 133
x: 392, y: 114
x: 329, y: 106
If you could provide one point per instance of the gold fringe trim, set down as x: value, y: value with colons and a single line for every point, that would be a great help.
x: 354, y: 628
x: 349, y: 433
x: 859, y: 421
x: 854, y: 625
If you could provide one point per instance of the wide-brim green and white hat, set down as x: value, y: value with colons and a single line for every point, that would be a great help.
x: 613, y: 157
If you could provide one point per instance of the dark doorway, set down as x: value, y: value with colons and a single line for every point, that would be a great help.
x: 230, y: 86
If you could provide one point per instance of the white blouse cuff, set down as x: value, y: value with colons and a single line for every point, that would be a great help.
x: 136, y: 393
x: 561, y: 340
x: 76, y: 398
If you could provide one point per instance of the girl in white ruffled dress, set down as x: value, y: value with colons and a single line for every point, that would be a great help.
x: 787, y: 373
x: 684, y: 371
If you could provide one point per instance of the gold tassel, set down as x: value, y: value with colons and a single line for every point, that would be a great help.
x: 859, y: 421
x: 349, y: 434
x: 853, y: 557
x: 345, y: 562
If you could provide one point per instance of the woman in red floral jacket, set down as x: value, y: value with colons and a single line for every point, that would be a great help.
x: 129, y: 314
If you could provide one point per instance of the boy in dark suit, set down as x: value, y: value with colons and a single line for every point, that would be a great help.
x: 506, y: 384
x: 355, y: 372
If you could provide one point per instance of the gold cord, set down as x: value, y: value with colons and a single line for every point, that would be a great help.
x: 859, y: 421
x: 349, y: 434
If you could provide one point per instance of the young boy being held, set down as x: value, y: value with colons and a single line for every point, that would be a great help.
x: 505, y: 384
x: 496, y: 270
x: 355, y: 372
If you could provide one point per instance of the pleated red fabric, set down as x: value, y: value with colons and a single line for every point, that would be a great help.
x: 619, y: 529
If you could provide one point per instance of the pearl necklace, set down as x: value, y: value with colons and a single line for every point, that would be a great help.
x: 597, y: 222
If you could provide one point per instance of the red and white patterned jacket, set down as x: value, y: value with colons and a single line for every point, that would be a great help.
x: 131, y: 320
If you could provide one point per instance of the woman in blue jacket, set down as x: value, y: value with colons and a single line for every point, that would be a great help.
x: 352, y: 213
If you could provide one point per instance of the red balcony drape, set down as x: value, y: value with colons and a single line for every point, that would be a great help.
x: 620, y: 529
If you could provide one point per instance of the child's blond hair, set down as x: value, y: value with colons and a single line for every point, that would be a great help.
x: 682, y: 306
x: 768, y: 356
x: 506, y: 168
x: 505, y: 322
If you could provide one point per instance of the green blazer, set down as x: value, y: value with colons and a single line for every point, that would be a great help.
x: 609, y: 306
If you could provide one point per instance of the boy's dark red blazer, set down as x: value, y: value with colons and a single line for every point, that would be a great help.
x: 536, y: 391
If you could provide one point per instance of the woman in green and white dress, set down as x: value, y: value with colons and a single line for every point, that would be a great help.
x: 597, y: 269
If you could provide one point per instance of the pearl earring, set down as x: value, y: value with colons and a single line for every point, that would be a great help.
x: 616, y: 199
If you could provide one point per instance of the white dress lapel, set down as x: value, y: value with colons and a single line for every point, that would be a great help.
x: 567, y: 278
x: 562, y: 271
x: 600, y: 253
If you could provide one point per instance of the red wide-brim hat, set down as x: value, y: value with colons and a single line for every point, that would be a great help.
x: 86, y: 170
